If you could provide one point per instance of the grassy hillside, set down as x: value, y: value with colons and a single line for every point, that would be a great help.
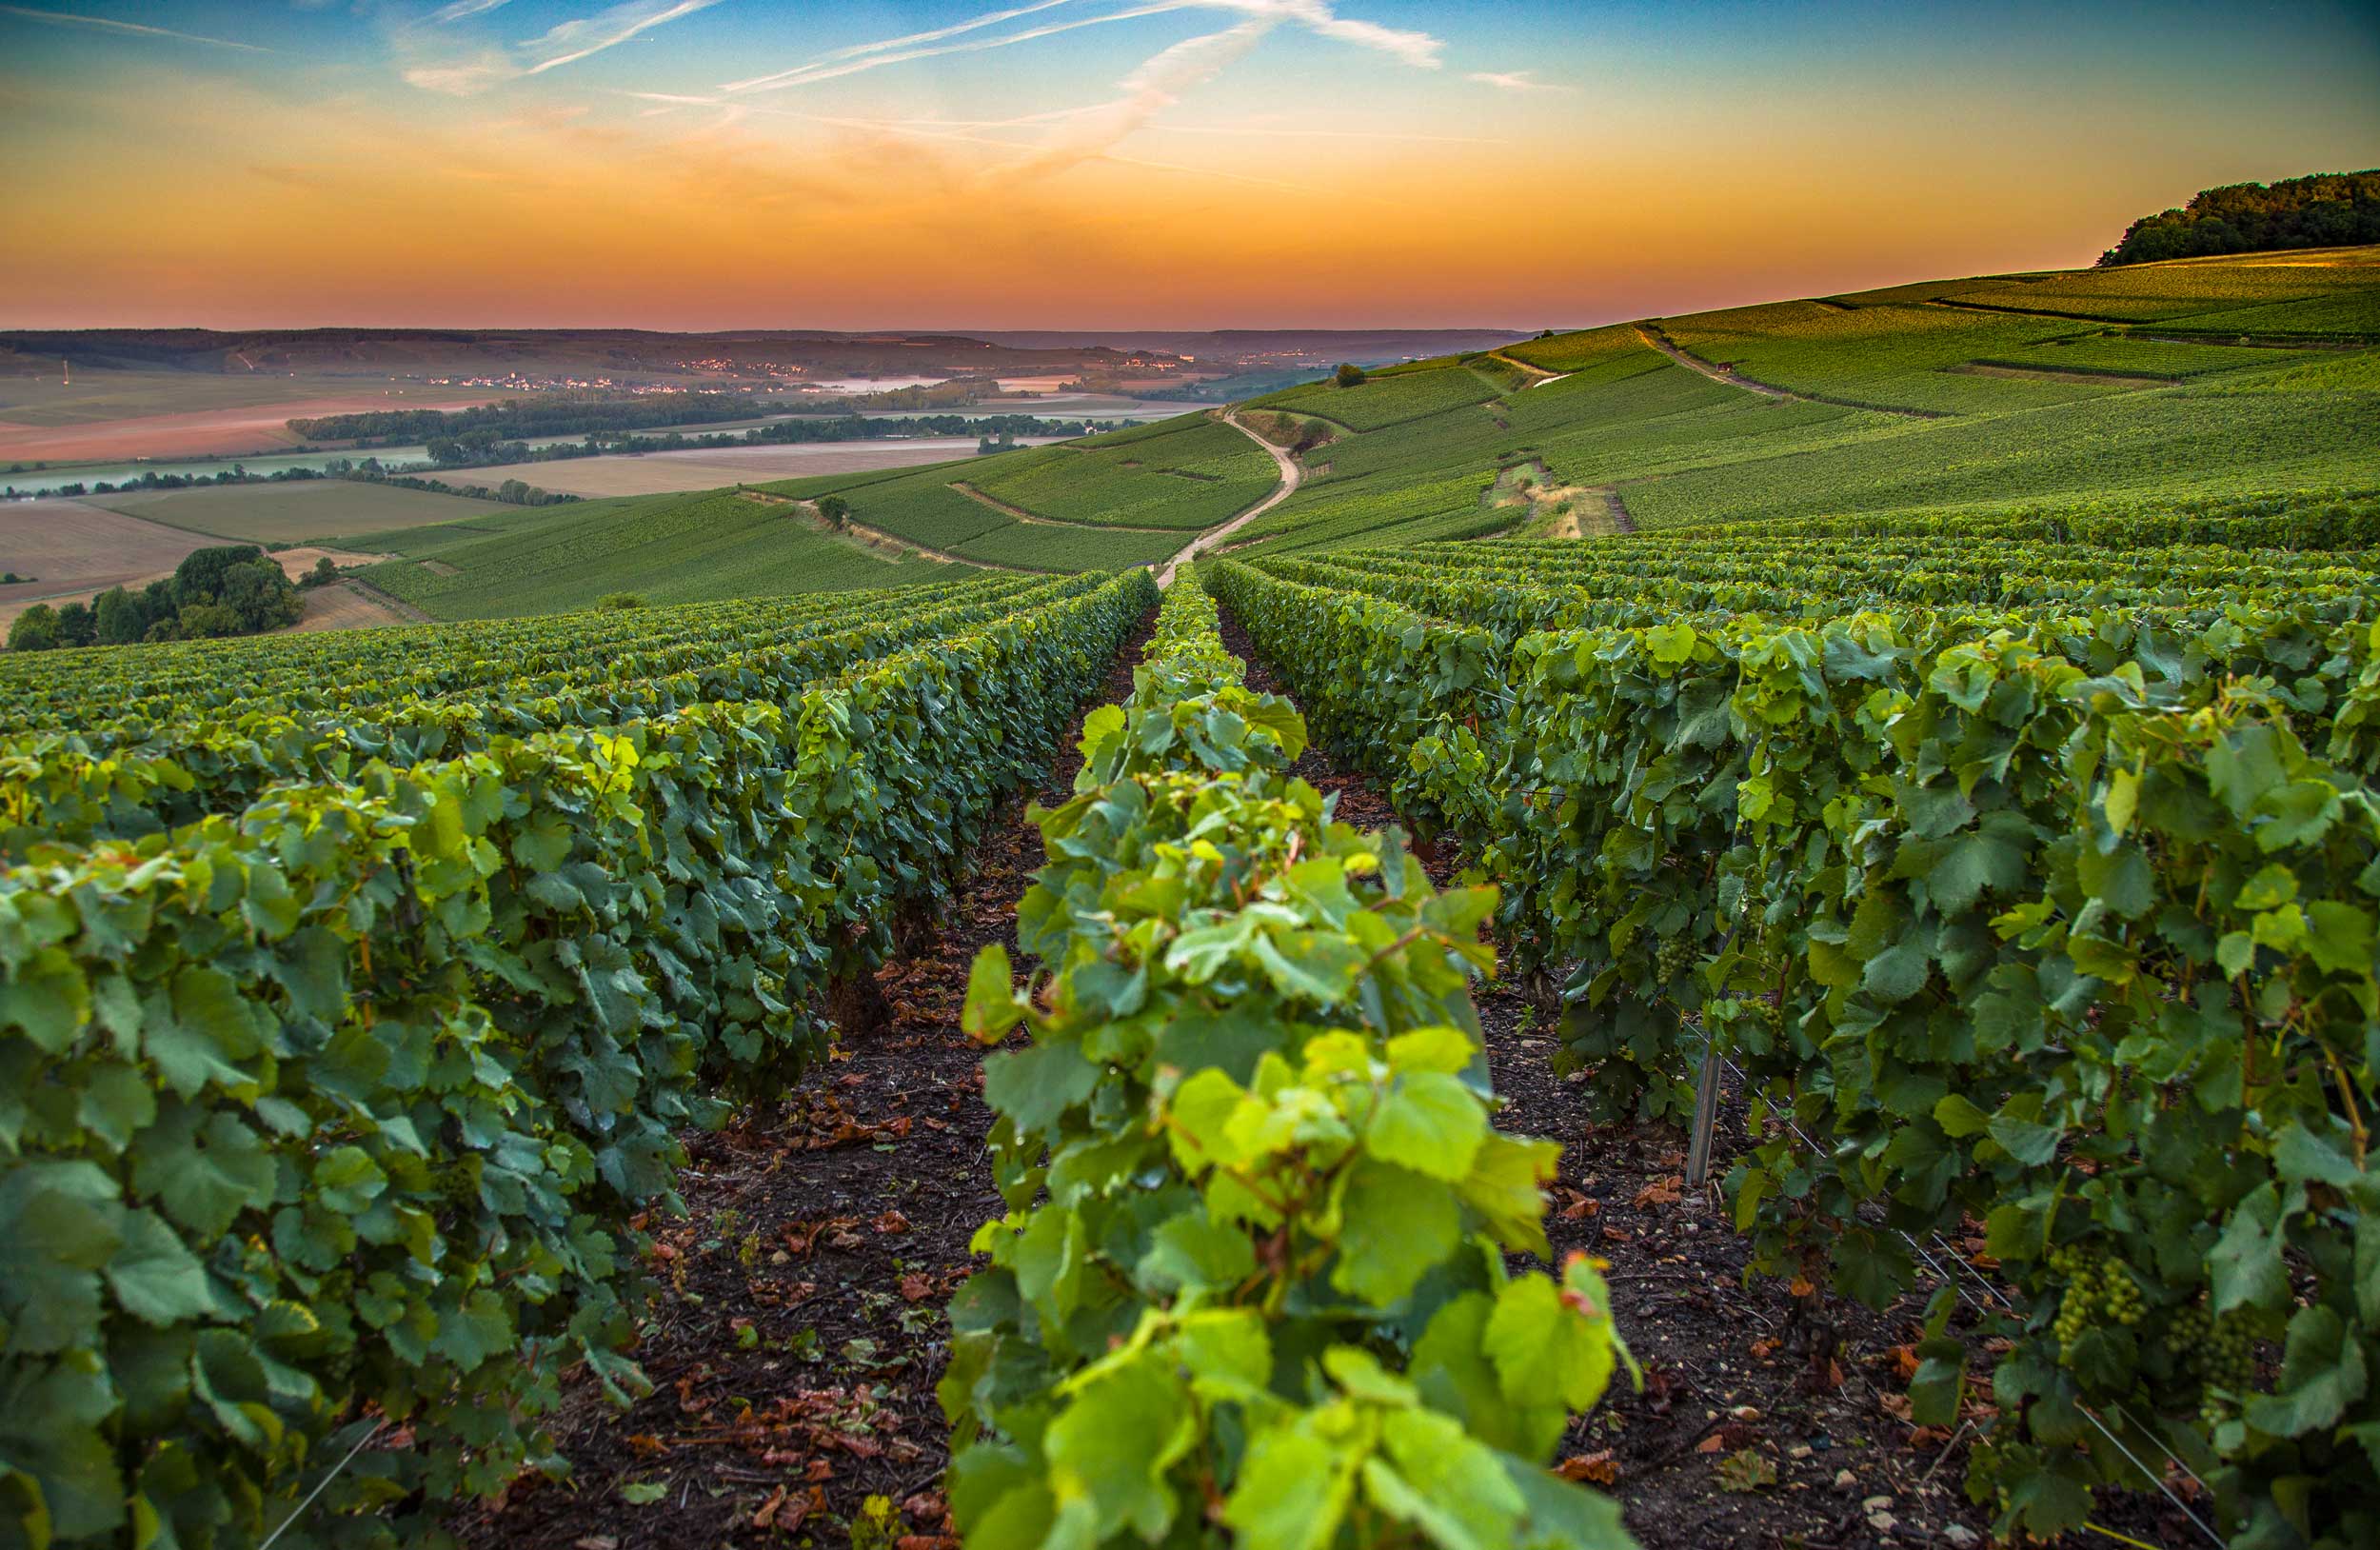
x: 2193, y: 379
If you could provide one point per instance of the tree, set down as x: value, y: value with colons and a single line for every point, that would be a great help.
x: 258, y: 593
x: 200, y: 576
x: 1348, y: 375
x: 119, y: 617
x: 36, y: 629
x: 615, y: 601
x: 209, y: 621
x: 323, y: 573
x: 836, y: 510
x: 76, y: 627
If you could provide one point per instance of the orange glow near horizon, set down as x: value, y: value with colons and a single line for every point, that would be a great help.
x: 1298, y: 177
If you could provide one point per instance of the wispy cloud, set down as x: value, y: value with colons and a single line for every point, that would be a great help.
x: 569, y: 42
x: 1419, y: 49
x: 566, y: 43
x: 869, y: 56
x: 1155, y: 86
x: 1517, y: 80
x: 107, y: 23
x: 1297, y: 132
x: 462, y: 8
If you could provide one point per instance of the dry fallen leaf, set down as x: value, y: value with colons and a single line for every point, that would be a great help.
x: 1664, y: 1191
x: 1596, y: 1468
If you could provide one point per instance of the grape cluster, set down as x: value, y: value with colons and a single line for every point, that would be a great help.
x: 2100, y: 1291
x: 1764, y: 1013
x: 2221, y: 1353
x: 1672, y: 957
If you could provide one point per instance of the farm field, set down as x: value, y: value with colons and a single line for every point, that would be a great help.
x: 294, y: 511
x: 659, y: 473
x: 72, y: 549
x: 107, y: 415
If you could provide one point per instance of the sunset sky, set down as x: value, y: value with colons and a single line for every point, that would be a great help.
x: 703, y: 164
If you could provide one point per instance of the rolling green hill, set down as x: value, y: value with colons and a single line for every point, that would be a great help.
x: 2203, y: 379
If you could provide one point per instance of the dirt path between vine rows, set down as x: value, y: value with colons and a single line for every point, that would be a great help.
x: 794, y: 1350
x: 1810, y: 1390
x: 1291, y: 477
x: 884, y: 545
x: 1653, y: 334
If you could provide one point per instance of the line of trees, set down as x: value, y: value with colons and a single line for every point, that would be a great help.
x: 2326, y: 210
x: 231, y: 589
x: 369, y: 470
x: 471, y: 449
x: 516, y: 417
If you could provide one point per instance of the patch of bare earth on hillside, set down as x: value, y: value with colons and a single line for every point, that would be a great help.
x: 344, y: 607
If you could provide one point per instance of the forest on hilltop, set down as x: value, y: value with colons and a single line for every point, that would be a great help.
x: 2322, y: 210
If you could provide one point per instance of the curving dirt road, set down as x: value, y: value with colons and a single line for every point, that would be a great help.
x: 1651, y: 334
x: 1291, y: 477
x: 1537, y: 376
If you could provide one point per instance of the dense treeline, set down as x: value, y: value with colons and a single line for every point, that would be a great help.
x: 462, y: 435
x: 486, y: 447
x: 557, y: 416
x: 2326, y: 210
x: 369, y: 471
x: 227, y: 591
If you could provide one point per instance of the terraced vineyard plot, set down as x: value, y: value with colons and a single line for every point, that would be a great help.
x: 1389, y: 399
x: 2132, y: 354
x: 2188, y: 288
x: 1185, y: 479
x: 2214, y: 438
x: 667, y: 548
x: 1887, y: 357
x: 1576, y: 351
x: 1069, y: 548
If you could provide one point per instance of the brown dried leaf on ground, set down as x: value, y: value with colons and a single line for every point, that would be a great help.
x: 1596, y: 1468
x: 1667, y: 1190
